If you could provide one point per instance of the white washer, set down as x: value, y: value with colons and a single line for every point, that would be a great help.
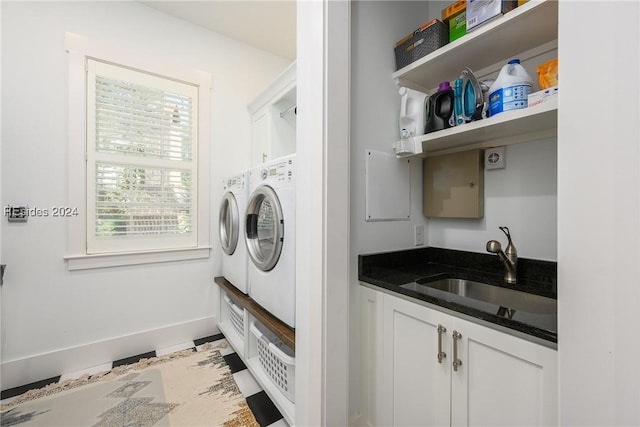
x: 231, y: 227
x: 271, y: 236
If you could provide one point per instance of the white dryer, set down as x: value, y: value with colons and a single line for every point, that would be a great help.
x: 270, y: 234
x: 231, y: 227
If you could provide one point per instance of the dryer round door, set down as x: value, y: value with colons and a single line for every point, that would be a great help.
x: 229, y: 223
x: 264, y: 230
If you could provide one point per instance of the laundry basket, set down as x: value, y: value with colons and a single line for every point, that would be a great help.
x: 236, y: 315
x: 277, y: 360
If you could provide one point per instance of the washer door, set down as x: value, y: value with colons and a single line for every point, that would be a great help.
x: 264, y: 231
x: 229, y: 223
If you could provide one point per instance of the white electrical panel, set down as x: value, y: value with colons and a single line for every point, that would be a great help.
x: 388, y: 187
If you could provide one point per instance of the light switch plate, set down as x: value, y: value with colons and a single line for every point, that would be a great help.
x: 16, y: 213
x: 494, y: 158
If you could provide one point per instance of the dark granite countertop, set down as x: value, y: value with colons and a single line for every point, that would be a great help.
x: 390, y: 270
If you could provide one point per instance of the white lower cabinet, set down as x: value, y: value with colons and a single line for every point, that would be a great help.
x: 498, y: 380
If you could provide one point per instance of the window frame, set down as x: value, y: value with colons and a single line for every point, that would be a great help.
x: 79, y: 49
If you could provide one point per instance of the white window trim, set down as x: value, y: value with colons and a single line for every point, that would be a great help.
x: 79, y: 48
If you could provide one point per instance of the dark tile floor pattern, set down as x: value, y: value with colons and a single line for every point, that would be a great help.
x: 261, y: 405
x: 17, y: 391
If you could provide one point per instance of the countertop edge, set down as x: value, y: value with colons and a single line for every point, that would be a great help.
x: 514, y: 332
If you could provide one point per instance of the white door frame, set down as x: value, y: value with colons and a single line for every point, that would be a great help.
x: 322, y: 200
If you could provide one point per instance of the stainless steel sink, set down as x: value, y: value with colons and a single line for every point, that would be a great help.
x: 508, y: 300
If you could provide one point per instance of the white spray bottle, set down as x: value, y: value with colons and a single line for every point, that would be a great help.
x: 412, y: 112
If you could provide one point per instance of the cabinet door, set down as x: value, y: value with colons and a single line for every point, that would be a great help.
x: 416, y: 388
x: 503, y: 380
x: 260, y: 137
x: 454, y: 185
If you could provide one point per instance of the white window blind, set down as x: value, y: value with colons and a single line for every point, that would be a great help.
x: 141, y: 160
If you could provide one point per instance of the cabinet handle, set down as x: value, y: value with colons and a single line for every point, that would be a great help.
x: 441, y: 354
x: 456, y: 362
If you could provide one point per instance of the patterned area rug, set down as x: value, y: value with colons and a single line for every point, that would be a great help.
x: 183, y: 389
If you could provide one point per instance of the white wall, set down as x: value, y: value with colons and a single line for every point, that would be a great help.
x: 45, y: 307
x: 375, y: 104
x: 523, y: 196
x: 1, y: 262
x: 599, y: 215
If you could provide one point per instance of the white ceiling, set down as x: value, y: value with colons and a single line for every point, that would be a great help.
x: 266, y: 24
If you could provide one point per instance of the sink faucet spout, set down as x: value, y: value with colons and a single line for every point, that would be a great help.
x: 509, y: 257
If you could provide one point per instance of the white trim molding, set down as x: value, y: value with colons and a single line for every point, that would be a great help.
x: 19, y: 372
x: 322, y: 252
x: 79, y: 49
x: 85, y: 262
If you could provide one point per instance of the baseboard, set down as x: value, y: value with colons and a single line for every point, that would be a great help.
x: 359, y: 421
x: 18, y: 372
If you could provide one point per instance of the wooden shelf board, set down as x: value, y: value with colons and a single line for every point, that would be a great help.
x: 275, y: 325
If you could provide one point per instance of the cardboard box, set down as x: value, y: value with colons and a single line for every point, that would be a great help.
x: 457, y: 26
x: 481, y: 11
x: 453, y: 9
x: 544, y: 96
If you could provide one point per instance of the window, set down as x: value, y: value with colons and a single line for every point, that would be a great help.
x: 141, y: 160
x: 143, y: 133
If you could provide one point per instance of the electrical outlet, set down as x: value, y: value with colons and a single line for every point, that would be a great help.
x: 418, y: 234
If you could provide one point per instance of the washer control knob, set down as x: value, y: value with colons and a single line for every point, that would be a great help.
x: 263, y: 174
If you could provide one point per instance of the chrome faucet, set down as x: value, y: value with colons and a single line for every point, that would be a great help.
x: 509, y: 257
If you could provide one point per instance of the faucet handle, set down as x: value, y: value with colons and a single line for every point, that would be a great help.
x: 493, y: 246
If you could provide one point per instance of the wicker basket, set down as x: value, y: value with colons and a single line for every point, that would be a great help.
x: 236, y: 315
x: 426, y: 39
x: 276, y: 359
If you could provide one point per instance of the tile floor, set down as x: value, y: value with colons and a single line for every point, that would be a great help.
x: 261, y: 405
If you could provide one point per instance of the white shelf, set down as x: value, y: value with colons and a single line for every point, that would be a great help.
x: 525, y: 28
x: 236, y: 342
x: 246, y: 348
x: 278, y: 89
x: 528, y: 26
x: 226, y: 327
x: 511, y: 127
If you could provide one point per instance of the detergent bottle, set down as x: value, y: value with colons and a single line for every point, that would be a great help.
x: 439, y: 108
x: 511, y: 89
x: 412, y: 112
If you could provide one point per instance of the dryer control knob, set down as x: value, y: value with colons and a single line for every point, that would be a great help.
x: 263, y: 174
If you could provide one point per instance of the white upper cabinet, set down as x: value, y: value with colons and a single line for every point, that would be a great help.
x: 273, y: 119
